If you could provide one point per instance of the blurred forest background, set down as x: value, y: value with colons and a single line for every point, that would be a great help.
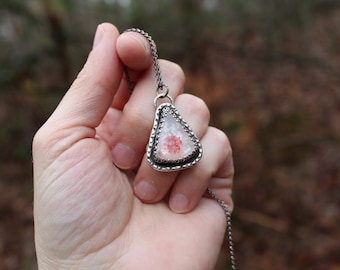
x: 270, y: 73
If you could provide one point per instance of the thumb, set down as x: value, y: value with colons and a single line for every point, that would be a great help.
x: 91, y: 94
x: 84, y: 105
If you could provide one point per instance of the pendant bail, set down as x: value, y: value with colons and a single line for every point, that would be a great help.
x: 162, y: 96
x: 160, y: 89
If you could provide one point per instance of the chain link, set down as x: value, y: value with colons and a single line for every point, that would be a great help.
x: 160, y: 85
x: 229, y: 231
x: 161, y: 94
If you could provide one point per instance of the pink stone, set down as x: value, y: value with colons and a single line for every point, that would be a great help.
x: 174, y: 143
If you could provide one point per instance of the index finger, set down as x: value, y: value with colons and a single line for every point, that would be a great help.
x: 134, y: 51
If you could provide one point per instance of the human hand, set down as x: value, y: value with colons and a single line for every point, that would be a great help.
x: 97, y: 203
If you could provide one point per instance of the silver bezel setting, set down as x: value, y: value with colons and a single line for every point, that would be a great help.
x: 171, y: 165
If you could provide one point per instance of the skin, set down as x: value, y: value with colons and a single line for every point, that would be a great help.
x: 97, y: 203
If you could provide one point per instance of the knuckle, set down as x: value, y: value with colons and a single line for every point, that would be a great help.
x: 172, y: 71
x: 137, y: 122
x: 194, y: 106
x: 221, y: 139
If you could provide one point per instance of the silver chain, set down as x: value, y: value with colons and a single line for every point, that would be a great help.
x: 161, y: 87
x: 229, y: 231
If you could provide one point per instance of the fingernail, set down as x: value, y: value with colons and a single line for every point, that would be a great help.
x: 124, y: 156
x: 98, y: 36
x: 146, y: 191
x: 179, y: 203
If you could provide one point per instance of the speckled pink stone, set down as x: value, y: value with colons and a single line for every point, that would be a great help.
x: 174, y: 143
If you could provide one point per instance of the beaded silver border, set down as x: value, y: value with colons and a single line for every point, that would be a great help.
x: 171, y: 165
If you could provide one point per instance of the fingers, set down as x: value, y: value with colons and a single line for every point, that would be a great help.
x: 132, y: 133
x: 214, y: 170
x: 134, y: 51
x: 151, y: 185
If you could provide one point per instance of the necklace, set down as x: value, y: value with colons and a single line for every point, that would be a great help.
x: 171, y: 133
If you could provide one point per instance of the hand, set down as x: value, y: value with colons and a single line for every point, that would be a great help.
x: 97, y: 203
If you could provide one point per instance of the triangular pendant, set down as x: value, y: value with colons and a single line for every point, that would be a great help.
x: 172, y: 144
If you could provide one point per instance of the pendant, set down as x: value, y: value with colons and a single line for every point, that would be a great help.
x: 172, y: 145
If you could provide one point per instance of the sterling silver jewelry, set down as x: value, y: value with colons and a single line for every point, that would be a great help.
x: 172, y: 144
